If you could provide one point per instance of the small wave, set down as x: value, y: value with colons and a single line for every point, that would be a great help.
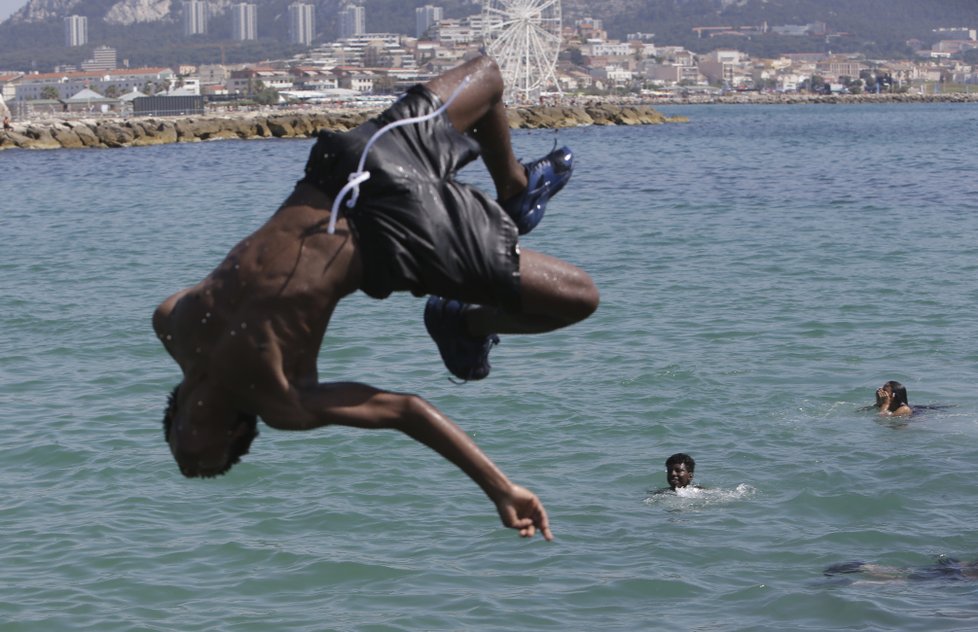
x: 687, y: 498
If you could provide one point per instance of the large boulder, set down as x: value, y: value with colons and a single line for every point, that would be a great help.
x: 152, y: 132
x: 114, y: 134
x: 186, y: 130
x: 280, y: 127
x: 86, y: 135
x: 12, y: 138
x: 66, y: 137
x: 40, y: 138
x: 600, y: 114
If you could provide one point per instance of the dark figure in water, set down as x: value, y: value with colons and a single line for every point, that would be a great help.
x: 946, y: 568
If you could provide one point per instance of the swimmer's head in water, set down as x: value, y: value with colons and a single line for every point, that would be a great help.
x: 897, y: 392
x: 679, y: 470
x: 204, y: 439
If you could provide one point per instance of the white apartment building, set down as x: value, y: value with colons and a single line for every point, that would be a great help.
x: 425, y: 17
x: 451, y: 32
x: 302, y: 23
x: 957, y: 33
x: 244, y: 21
x: 612, y: 76
x: 76, y: 31
x: 195, y: 17
x: 352, y: 21
x: 359, y: 48
x: 725, y: 66
x: 103, y: 58
x: 607, y: 49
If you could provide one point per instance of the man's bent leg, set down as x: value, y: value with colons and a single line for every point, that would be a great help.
x: 553, y: 294
x: 522, y: 189
x: 479, y: 110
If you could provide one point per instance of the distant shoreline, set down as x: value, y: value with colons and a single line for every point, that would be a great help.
x: 764, y: 98
x: 56, y: 132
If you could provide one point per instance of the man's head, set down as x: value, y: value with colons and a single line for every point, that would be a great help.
x: 679, y: 470
x: 205, y: 436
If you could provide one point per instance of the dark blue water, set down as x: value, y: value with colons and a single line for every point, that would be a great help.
x: 763, y: 270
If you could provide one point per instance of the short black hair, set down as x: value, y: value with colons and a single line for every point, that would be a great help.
x: 238, y: 448
x: 683, y: 458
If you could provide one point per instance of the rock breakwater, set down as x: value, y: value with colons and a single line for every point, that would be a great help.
x: 57, y: 133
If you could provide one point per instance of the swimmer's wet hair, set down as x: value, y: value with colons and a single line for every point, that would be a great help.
x: 683, y: 458
x: 238, y: 448
x: 899, y: 394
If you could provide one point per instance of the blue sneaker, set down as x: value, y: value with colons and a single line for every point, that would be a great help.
x: 467, y: 357
x: 545, y: 177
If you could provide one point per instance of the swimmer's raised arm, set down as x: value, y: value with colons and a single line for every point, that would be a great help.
x: 362, y: 406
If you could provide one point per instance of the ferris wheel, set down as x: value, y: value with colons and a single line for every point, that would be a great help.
x: 523, y: 37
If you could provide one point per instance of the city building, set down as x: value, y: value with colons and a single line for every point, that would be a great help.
x: 195, y: 17
x: 453, y: 33
x: 32, y: 87
x: 957, y: 33
x: 425, y: 17
x: 590, y: 28
x: 724, y: 66
x: 352, y: 21
x: 302, y: 23
x: 8, y: 86
x: 76, y: 30
x: 244, y: 21
x: 103, y: 58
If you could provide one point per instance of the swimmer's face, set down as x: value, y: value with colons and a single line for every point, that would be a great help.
x: 207, y: 437
x: 678, y: 476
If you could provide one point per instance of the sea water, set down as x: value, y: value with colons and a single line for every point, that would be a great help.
x: 763, y: 270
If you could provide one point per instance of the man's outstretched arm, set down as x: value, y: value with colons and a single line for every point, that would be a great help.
x: 362, y: 406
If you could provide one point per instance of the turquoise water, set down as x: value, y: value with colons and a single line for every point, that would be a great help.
x: 763, y: 270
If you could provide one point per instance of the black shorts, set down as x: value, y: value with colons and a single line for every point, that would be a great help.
x: 416, y: 227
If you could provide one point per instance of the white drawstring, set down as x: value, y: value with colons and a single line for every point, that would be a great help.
x: 358, y: 176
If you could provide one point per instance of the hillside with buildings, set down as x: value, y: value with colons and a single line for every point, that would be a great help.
x: 358, y: 65
x: 171, y: 32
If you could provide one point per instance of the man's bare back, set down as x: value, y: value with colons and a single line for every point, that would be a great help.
x: 257, y: 321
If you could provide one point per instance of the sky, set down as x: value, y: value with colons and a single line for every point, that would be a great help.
x: 7, y: 7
